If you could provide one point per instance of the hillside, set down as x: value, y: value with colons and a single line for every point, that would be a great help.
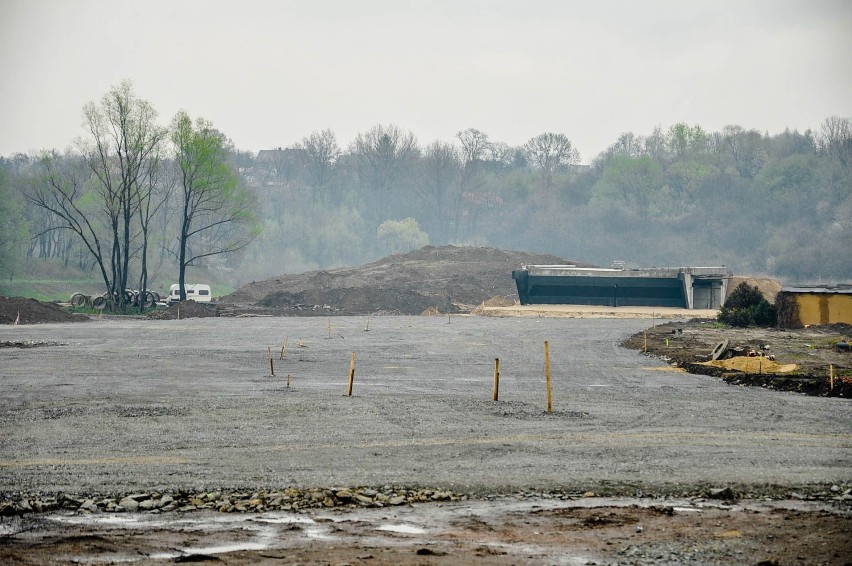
x: 449, y: 278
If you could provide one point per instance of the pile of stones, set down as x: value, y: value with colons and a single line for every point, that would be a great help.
x: 290, y: 499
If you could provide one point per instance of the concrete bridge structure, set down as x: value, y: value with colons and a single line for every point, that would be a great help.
x: 679, y: 287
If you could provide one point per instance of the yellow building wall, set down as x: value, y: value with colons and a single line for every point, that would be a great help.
x: 824, y: 308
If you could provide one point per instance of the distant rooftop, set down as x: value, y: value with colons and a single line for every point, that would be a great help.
x: 822, y: 289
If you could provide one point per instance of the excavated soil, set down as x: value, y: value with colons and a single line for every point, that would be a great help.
x: 448, y: 279
x: 813, y: 353
x: 31, y: 311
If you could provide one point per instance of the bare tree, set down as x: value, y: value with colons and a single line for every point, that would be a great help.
x: 551, y: 152
x: 154, y: 193
x: 440, y: 172
x: 123, y: 137
x: 319, y: 154
x: 100, y: 206
x: 381, y: 156
x: 835, y: 138
x: 474, y: 148
x: 60, y: 189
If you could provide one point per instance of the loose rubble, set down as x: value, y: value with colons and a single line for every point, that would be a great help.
x: 290, y: 499
x: 308, y: 499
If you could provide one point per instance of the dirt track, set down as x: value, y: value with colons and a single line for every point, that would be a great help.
x: 171, y: 406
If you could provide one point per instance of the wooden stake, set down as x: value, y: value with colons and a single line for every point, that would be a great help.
x: 271, y: 366
x: 351, y: 375
x: 831, y: 377
x: 448, y: 318
x: 547, y: 375
x: 178, y: 312
x: 328, y: 326
x: 283, y: 348
x: 646, y: 341
x: 288, y: 381
x: 367, y: 328
x: 496, y: 377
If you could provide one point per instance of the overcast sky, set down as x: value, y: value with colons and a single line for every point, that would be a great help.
x: 269, y: 72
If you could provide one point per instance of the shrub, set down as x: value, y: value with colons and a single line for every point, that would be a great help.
x: 746, y: 306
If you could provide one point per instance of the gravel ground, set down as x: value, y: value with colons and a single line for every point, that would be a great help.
x: 140, y: 406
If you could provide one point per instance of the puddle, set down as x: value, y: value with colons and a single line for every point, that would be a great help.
x: 282, y: 520
x: 318, y: 533
x: 405, y: 529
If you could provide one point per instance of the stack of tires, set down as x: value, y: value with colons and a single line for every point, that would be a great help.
x: 132, y: 298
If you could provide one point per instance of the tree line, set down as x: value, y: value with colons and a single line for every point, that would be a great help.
x: 163, y: 199
x: 128, y: 183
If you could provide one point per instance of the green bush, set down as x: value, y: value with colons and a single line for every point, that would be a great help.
x: 746, y: 306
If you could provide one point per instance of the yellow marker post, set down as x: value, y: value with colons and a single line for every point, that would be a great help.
x: 496, y: 377
x: 351, y: 375
x: 283, y: 348
x: 547, y: 375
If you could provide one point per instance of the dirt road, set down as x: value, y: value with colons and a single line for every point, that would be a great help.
x: 174, y: 407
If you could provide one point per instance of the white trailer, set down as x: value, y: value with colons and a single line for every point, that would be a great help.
x: 198, y: 292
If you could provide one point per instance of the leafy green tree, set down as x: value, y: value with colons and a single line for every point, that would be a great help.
x: 217, y: 212
x: 396, y: 236
x: 628, y: 182
x: 683, y: 140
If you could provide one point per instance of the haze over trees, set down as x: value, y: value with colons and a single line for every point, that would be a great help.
x: 106, y: 195
x: 776, y: 204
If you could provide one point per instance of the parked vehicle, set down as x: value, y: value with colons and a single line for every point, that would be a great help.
x: 198, y: 292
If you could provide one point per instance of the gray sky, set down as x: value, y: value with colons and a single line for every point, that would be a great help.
x: 268, y: 73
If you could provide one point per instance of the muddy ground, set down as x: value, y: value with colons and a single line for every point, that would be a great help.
x: 187, y: 413
x: 814, y: 351
x: 500, y: 531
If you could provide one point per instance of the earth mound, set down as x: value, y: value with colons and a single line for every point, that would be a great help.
x: 451, y: 279
x: 186, y: 309
x: 32, y: 311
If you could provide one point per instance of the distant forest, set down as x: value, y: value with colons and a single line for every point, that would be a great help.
x: 778, y: 205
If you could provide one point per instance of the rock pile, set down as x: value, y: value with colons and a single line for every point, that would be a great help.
x: 290, y: 499
x: 304, y: 500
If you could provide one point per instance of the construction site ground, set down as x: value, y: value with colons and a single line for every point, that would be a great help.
x: 164, y: 437
x: 184, y: 422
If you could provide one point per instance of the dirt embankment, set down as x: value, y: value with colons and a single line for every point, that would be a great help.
x: 30, y: 311
x: 802, y: 360
x: 450, y: 279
